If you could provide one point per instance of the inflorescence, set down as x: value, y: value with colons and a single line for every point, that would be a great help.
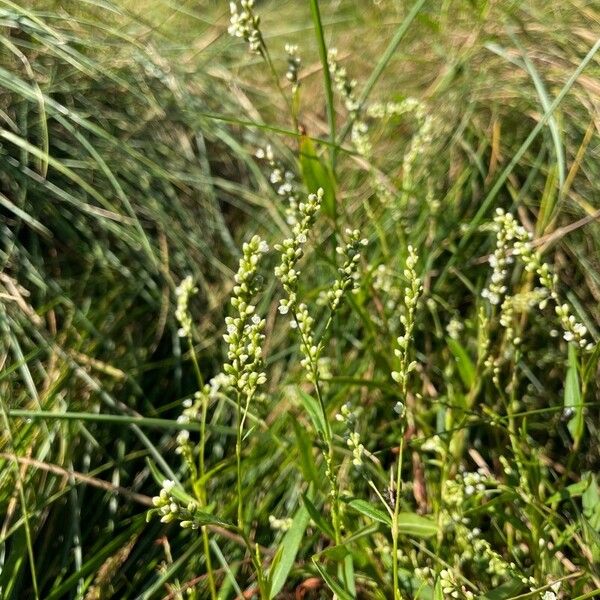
x: 244, y: 23
x: 244, y: 330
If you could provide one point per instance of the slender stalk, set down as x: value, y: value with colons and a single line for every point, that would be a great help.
x: 267, y: 56
x: 329, y: 455
x: 238, y: 462
x: 397, y: 593
x: 254, y: 552
x: 202, y: 471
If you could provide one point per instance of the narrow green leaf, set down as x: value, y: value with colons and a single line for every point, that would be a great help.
x: 572, y: 399
x: 103, y: 418
x: 311, y: 406
x: 327, y: 83
x: 335, y: 553
x: 316, y: 175
x: 506, y: 590
x: 590, y: 501
x: 416, y: 525
x: 317, y: 517
x: 332, y: 583
x: 571, y: 491
x: 367, y: 509
x: 290, y: 545
x: 466, y: 368
x: 349, y: 574
x: 438, y: 593
x: 305, y: 451
x: 591, y: 365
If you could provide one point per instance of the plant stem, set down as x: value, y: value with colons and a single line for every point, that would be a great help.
x: 238, y: 462
x: 329, y: 455
x: 397, y: 593
x: 202, y: 470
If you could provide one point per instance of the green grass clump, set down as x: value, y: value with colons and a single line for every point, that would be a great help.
x: 400, y: 398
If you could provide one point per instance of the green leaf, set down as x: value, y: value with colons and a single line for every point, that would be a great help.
x: 591, y: 364
x: 571, y: 491
x: 305, y: 451
x: 334, y: 553
x: 332, y: 583
x: 506, y: 590
x: 206, y: 518
x: 367, y: 509
x: 466, y: 368
x: 590, y: 501
x: 318, y: 518
x: 349, y: 574
x: 573, y: 399
x: 438, y: 593
x: 415, y: 525
x: 289, y: 546
x: 316, y: 175
x: 311, y: 406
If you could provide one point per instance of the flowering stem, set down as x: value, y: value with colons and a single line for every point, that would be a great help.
x: 238, y: 462
x: 267, y: 56
x: 397, y: 593
x: 202, y: 469
x: 327, y: 433
x: 335, y: 500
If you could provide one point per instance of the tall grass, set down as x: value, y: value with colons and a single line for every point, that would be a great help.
x: 462, y: 462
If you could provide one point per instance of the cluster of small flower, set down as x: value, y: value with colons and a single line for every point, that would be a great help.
x: 419, y: 145
x: 349, y: 269
x: 382, y: 110
x: 310, y: 350
x: 457, y: 491
x: 484, y: 554
x: 514, y: 238
x: 244, y: 23
x: 244, y: 335
x: 294, y: 62
x: 411, y: 298
x: 454, y: 328
x: 385, y: 281
x: 507, y: 312
x: 344, y: 85
x: 361, y: 140
x: 350, y: 417
x: 451, y: 588
x: 474, y: 481
x: 573, y: 330
x: 184, y: 291
x: 508, y: 231
x: 284, y: 182
x: 171, y: 509
x: 192, y: 408
x: 360, y: 130
x: 280, y: 524
x: 291, y: 250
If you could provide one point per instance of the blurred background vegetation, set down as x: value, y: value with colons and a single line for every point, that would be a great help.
x: 127, y: 138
